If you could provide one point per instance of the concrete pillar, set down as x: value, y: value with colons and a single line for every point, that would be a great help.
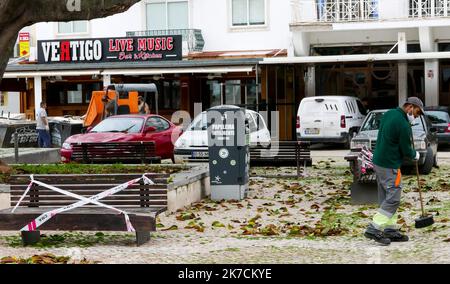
x: 310, y: 82
x: 402, y: 82
x: 431, y: 67
x: 301, y: 43
x: 426, y: 38
x: 431, y: 82
x: 402, y: 43
x: 106, y: 80
x: 37, y: 92
x: 402, y: 70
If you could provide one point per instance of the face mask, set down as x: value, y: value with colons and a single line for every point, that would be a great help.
x: 411, y: 118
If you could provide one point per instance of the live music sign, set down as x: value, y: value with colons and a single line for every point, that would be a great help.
x: 129, y: 49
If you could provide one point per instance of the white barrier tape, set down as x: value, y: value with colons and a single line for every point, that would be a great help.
x: 23, y: 196
x: 94, y: 199
x: 83, y: 199
x: 48, y: 215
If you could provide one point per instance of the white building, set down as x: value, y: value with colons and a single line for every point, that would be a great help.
x: 373, y: 48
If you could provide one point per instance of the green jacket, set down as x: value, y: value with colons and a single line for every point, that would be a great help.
x: 394, y: 140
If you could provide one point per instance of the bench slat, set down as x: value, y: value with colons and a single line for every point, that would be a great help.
x: 112, y: 203
x: 80, y: 220
x: 80, y: 180
x: 93, y: 192
x: 115, y: 151
x: 109, y: 198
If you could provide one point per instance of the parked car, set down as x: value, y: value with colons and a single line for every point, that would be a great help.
x: 124, y: 128
x: 440, y: 119
x: 193, y: 144
x: 329, y: 119
x: 425, y: 141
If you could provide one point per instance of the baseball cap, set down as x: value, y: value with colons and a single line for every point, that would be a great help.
x: 416, y: 102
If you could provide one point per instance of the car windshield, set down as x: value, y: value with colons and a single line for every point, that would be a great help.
x: 119, y: 124
x: 438, y: 116
x: 200, y: 122
x: 373, y: 122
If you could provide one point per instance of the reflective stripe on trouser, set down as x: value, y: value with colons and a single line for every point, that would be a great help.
x: 389, y: 193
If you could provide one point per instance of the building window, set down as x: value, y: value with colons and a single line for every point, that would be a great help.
x: 75, y: 27
x: 62, y: 93
x: 163, y: 15
x: 248, y: 12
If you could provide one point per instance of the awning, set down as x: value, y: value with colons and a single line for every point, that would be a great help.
x: 135, y: 71
x: 358, y: 58
x: 31, y: 74
x: 157, y: 71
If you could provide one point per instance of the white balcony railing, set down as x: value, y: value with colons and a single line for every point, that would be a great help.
x: 429, y: 8
x: 347, y: 10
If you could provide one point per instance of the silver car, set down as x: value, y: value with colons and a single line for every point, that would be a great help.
x: 425, y: 141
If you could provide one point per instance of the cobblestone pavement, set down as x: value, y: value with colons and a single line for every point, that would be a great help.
x: 309, y: 220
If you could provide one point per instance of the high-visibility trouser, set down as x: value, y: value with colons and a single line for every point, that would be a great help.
x: 389, y: 193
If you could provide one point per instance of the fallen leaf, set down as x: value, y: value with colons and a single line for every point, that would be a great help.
x: 217, y: 224
x: 185, y: 216
x: 270, y: 230
x: 171, y: 228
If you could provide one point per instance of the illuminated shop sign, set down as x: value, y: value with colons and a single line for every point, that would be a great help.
x: 130, y: 49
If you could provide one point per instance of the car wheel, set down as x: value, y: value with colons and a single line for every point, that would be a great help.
x: 427, y: 166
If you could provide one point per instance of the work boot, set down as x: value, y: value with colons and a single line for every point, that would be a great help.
x: 395, y: 235
x: 378, y: 236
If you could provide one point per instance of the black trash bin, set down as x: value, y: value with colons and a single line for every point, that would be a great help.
x: 61, y: 130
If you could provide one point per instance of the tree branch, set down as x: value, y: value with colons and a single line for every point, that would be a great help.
x: 15, y: 15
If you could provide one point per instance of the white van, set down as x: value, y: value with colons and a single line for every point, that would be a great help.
x: 329, y: 119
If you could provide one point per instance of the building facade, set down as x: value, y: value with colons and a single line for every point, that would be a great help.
x: 221, y: 52
x: 384, y: 50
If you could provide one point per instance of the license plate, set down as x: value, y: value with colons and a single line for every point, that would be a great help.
x: 200, y: 154
x: 312, y: 131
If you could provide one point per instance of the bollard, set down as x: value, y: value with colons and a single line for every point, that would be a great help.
x: 16, y: 147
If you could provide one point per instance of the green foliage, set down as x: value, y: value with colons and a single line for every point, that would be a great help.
x: 89, y: 169
x: 75, y: 239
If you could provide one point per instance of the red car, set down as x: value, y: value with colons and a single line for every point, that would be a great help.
x: 124, y: 128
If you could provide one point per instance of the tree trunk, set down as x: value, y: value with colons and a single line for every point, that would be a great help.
x: 15, y: 15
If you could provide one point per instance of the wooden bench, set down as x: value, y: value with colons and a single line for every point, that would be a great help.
x: 282, y: 153
x: 364, y: 187
x: 142, y: 202
x: 113, y: 152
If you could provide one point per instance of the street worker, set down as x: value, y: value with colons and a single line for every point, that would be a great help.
x: 393, y: 145
x: 143, y: 106
x: 42, y: 127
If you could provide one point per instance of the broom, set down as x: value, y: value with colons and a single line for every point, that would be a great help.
x: 424, y: 220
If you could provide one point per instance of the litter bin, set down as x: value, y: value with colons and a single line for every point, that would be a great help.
x: 229, y: 155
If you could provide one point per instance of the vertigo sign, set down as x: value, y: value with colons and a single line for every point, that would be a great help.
x: 131, y: 49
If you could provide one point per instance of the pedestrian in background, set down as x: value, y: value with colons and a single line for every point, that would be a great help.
x: 143, y: 106
x: 43, y: 127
